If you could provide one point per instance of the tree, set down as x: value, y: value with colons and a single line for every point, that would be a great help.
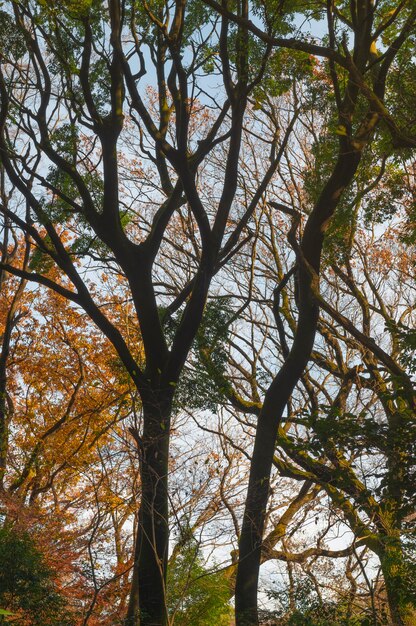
x: 12, y: 293
x: 365, y: 433
x: 349, y: 420
x: 79, y: 66
x: 359, y: 84
x: 66, y: 402
x: 196, y: 596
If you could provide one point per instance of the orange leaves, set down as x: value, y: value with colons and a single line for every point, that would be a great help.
x: 69, y: 401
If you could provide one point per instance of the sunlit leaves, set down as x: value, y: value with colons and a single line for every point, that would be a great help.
x: 197, y: 597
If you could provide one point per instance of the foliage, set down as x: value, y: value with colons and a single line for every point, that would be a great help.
x: 305, y: 608
x: 202, y: 385
x: 407, y: 343
x: 27, y: 584
x: 196, y: 596
x: 12, y: 43
x: 138, y: 171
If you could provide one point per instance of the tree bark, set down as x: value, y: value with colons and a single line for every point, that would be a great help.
x: 147, y: 605
x: 398, y: 585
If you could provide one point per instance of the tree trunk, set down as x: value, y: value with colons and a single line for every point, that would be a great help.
x: 4, y: 412
x: 147, y: 605
x: 398, y: 583
x: 261, y: 466
x: 279, y: 392
x: 4, y: 424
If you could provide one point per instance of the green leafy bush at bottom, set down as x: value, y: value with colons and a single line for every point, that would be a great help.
x: 27, y: 587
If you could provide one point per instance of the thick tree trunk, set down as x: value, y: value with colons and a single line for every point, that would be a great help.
x: 147, y: 605
x: 398, y: 583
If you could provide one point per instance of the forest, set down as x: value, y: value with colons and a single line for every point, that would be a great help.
x: 207, y: 312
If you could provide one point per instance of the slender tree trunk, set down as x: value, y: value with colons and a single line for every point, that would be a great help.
x: 279, y: 392
x: 260, y: 471
x: 4, y: 355
x: 147, y: 605
x: 4, y: 422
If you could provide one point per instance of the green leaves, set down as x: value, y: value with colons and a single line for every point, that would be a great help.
x: 304, y: 608
x: 12, y: 43
x: 6, y: 613
x: 406, y: 338
x: 26, y: 583
x: 202, y: 385
x: 285, y: 67
x: 74, y: 8
x: 195, y: 596
x: 40, y: 262
x: 198, y: 14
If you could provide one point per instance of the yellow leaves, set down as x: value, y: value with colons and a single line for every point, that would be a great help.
x: 373, y: 49
x: 113, y: 500
x: 77, y: 8
x: 341, y: 130
x: 31, y: 474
